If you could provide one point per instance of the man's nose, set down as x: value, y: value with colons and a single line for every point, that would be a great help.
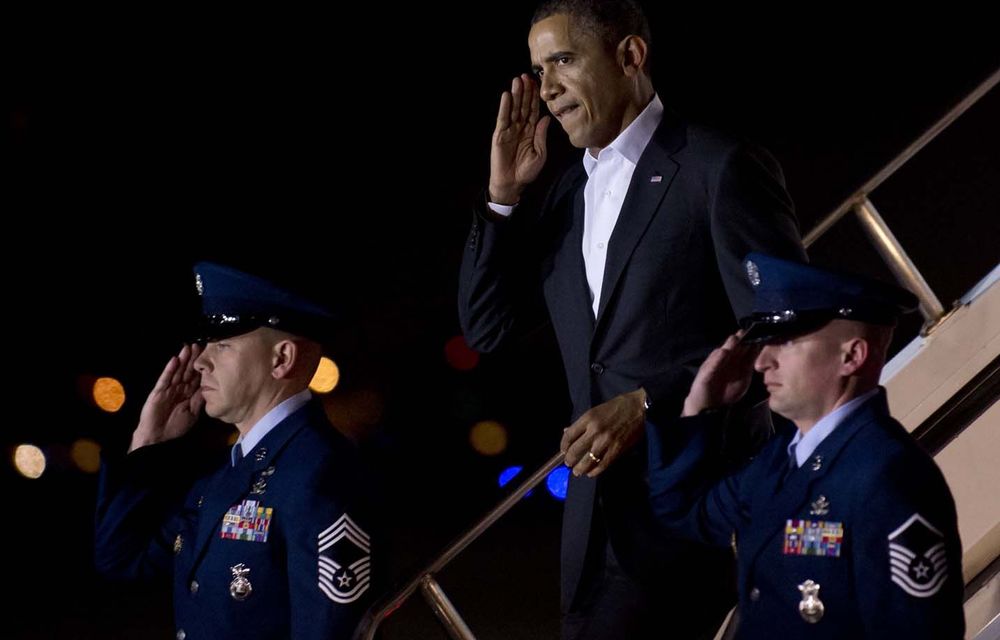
x: 765, y: 359
x: 200, y: 364
x: 550, y: 87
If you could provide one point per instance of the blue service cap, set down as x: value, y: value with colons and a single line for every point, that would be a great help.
x: 793, y: 298
x: 234, y: 302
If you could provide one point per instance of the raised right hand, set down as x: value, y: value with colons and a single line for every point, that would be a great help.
x: 518, y: 152
x: 723, y: 378
x: 174, y: 403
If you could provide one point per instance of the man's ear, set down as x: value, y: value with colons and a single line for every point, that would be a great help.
x: 631, y: 55
x: 284, y: 355
x: 854, y: 354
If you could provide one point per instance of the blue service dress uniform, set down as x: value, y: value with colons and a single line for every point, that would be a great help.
x: 278, y: 546
x: 860, y: 542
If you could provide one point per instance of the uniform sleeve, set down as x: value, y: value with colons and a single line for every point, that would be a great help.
x: 332, y: 556
x: 687, y: 497
x: 907, y: 556
x: 140, y: 509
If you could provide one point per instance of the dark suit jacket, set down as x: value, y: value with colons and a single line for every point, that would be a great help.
x: 869, y: 477
x: 310, y: 575
x: 674, y: 284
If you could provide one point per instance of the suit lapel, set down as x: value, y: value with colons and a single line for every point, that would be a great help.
x: 651, y: 180
x: 228, y: 487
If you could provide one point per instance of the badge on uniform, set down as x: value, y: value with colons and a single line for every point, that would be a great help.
x: 811, y: 608
x: 917, y: 557
x: 247, y: 521
x: 240, y: 588
x: 813, y: 538
x: 344, y: 561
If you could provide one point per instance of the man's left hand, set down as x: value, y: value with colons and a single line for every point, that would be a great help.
x: 603, y: 433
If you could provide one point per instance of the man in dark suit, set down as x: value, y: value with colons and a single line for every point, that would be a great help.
x: 844, y: 526
x: 276, y: 543
x: 638, y: 253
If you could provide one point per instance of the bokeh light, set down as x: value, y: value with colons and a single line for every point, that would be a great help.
x: 108, y: 394
x: 488, y: 437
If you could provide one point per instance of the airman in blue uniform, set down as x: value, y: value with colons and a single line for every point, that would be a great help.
x: 276, y: 543
x: 842, y: 525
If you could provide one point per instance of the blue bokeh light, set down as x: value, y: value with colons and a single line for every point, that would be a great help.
x: 557, y: 482
x: 508, y: 474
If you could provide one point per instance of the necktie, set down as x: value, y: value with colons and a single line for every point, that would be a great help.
x: 792, y: 463
x: 237, y: 454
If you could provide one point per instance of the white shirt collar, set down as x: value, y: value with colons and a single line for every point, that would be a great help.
x: 806, y: 444
x: 270, y: 420
x: 632, y: 141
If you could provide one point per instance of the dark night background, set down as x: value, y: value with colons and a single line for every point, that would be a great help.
x: 339, y: 154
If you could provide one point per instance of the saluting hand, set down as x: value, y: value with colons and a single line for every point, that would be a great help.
x: 174, y: 403
x: 723, y: 378
x: 518, y: 152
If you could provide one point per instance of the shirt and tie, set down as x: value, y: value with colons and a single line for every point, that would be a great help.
x: 249, y: 440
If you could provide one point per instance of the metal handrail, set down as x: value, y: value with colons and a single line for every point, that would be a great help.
x: 862, y: 194
x: 902, y: 267
x: 381, y: 609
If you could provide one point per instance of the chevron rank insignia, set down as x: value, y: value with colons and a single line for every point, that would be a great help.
x: 344, y: 561
x: 248, y: 520
x: 813, y: 538
x: 917, y: 557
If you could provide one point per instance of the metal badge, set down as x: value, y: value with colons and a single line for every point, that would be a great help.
x: 820, y: 506
x: 753, y: 274
x: 240, y: 588
x: 811, y: 608
x: 178, y: 544
x: 198, y: 285
x: 817, y: 463
x: 260, y: 485
x: 260, y: 454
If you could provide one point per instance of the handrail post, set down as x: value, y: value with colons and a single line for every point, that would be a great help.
x: 385, y: 606
x: 898, y: 261
x: 445, y: 610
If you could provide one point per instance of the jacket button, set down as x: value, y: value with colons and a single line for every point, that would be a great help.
x: 755, y: 594
x: 194, y: 587
x: 181, y: 635
x: 597, y: 368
